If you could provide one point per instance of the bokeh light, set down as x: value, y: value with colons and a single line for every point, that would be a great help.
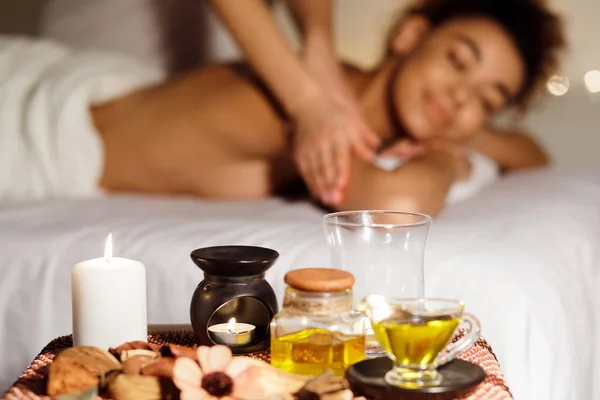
x: 592, y: 81
x: 558, y: 85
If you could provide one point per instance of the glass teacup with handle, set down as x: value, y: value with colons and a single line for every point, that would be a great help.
x: 415, y: 334
x: 384, y: 250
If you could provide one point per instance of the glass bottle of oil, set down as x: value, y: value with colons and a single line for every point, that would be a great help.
x: 317, y: 330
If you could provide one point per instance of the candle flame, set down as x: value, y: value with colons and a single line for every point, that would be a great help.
x: 231, y: 325
x: 108, y: 248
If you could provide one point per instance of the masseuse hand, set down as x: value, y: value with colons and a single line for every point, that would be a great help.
x: 328, y: 128
x: 326, y: 132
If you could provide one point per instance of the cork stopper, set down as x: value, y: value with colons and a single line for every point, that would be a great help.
x: 319, y: 280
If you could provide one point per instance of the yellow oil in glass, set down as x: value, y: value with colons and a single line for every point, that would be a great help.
x: 314, y: 351
x: 415, y: 343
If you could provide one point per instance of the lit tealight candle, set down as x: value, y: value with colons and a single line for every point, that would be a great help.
x: 232, y: 334
x: 109, y: 301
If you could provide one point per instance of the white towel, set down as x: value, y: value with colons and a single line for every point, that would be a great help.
x: 484, y: 172
x: 48, y: 144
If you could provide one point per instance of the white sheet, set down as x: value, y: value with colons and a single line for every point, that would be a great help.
x: 524, y: 255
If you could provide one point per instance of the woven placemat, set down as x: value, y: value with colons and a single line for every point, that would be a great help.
x: 32, y: 383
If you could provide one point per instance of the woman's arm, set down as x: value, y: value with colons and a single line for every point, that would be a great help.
x: 266, y: 49
x: 420, y: 185
x: 314, y: 17
x: 512, y: 151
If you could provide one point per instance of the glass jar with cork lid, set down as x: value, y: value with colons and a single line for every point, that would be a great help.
x: 317, y: 330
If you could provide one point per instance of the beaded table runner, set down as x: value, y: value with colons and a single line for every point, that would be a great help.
x: 32, y: 383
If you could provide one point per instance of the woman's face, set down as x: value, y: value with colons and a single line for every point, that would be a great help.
x: 460, y: 74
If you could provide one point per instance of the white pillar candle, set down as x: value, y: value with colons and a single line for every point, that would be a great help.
x: 109, y: 301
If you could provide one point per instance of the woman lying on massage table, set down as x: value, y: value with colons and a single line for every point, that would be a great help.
x: 217, y: 133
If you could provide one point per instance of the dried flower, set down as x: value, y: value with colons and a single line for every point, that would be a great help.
x: 216, y: 375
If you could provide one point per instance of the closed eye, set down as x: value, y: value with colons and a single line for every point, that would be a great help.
x: 487, y: 105
x: 492, y: 101
x: 456, y: 62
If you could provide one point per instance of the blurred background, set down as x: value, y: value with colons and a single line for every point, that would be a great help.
x: 567, y: 121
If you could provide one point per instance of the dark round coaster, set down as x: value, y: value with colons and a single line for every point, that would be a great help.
x: 367, y: 378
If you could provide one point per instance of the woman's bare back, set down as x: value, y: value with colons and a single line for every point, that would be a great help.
x: 211, y: 133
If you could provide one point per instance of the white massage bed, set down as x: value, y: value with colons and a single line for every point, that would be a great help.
x: 524, y: 255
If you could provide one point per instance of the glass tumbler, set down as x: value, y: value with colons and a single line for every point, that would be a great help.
x: 384, y: 250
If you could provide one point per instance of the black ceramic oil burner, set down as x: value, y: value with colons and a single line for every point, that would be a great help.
x: 234, y: 286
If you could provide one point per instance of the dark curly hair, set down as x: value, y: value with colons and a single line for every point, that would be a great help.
x: 535, y: 29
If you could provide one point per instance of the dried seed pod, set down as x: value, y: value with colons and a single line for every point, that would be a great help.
x: 134, y: 360
x: 108, y: 379
x: 326, y: 387
x: 162, y: 367
x: 134, y: 365
x: 149, y: 354
x: 275, y: 382
x: 136, y: 345
x: 172, y: 350
x: 69, y: 376
x: 341, y: 395
x: 78, y: 368
x: 326, y: 383
x: 135, y: 387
